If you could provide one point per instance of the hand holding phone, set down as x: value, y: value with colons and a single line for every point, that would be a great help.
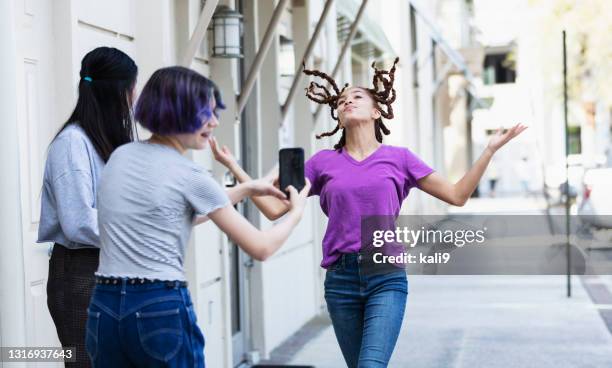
x: 291, y: 166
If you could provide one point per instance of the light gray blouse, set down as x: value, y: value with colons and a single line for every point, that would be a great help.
x: 69, y: 214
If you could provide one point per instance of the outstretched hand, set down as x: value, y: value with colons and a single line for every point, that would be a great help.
x: 222, y: 154
x: 500, y: 138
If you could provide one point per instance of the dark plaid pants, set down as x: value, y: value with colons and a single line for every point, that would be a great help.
x: 69, y: 287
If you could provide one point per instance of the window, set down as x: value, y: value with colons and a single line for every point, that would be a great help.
x: 575, y: 146
x: 286, y: 68
x: 414, y: 48
x: 499, y: 68
x: 287, y: 58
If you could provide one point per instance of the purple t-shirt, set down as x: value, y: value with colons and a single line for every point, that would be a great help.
x: 349, y: 189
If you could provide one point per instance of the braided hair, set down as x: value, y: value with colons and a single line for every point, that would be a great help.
x: 382, y: 93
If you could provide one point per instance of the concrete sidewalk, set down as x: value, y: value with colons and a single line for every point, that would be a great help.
x: 487, y: 321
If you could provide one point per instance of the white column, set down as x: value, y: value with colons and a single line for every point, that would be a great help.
x: 12, y: 299
x: 223, y: 73
x: 269, y: 100
x: 303, y: 137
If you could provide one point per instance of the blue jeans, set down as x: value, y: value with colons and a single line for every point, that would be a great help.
x: 143, y: 325
x: 366, y: 311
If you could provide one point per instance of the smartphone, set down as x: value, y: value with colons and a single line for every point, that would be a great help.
x: 291, y: 169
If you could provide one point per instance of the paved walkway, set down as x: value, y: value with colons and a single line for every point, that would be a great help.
x: 500, y: 321
x: 486, y: 321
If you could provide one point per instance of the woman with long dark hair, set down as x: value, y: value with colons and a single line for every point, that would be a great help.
x: 101, y: 122
x: 363, y: 177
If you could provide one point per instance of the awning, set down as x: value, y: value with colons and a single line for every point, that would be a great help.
x: 370, y: 39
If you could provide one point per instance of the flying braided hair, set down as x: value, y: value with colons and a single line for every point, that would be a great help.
x: 382, y: 93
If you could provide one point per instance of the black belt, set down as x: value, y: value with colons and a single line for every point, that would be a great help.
x: 137, y: 281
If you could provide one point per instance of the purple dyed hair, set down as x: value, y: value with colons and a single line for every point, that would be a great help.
x: 176, y: 100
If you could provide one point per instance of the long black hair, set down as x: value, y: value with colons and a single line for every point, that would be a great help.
x: 103, y: 108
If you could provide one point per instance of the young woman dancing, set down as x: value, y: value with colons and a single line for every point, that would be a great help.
x: 362, y: 176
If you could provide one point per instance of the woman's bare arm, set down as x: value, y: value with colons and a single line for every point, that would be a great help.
x: 260, y: 244
x: 457, y: 194
x: 273, y: 208
x: 247, y: 189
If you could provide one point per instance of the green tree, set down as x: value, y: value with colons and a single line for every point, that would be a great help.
x: 589, y: 45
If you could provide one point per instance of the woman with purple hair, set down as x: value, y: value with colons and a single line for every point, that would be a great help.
x: 150, y: 197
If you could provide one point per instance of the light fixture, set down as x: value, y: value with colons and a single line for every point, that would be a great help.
x: 227, y: 29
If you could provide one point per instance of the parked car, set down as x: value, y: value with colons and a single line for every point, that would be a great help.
x: 555, y: 176
x: 595, y: 208
x: 554, y: 182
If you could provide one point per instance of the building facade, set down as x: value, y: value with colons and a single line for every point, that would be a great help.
x: 245, y: 308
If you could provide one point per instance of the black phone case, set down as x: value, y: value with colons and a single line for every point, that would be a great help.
x: 291, y: 167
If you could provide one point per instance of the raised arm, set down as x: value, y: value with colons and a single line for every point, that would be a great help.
x: 457, y: 194
x: 260, y: 187
x: 250, y: 188
x: 260, y: 244
x: 271, y: 206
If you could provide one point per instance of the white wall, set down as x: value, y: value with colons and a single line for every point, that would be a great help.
x: 48, y: 40
x: 12, y: 298
x: 45, y: 41
x: 284, y: 288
